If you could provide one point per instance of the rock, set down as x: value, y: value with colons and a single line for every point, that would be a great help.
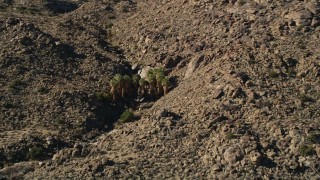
x: 216, y: 167
x: 317, y: 149
x: 162, y: 113
x: 217, y: 93
x: 315, y: 22
x: 171, y: 62
x: 18, y: 169
x: 314, y: 7
x: 76, y: 153
x: 256, y: 158
x: 107, y: 162
x: 143, y: 72
x: 193, y: 65
x: 61, y: 156
x: 12, y: 21
x: 271, y: 154
x: 293, y: 165
x: 232, y: 155
x: 238, y: 92
x: 262, y: 1
x: 301, y: 18
x: 41, y: 164
x: 249, y: 84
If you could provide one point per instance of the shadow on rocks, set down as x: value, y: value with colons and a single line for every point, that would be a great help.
x: 58, y: 7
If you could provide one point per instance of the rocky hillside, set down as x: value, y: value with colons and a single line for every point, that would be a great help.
x: 243, y: 103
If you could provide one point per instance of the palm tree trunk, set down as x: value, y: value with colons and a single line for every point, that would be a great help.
x: 165, y: 90
x: 113, y: 92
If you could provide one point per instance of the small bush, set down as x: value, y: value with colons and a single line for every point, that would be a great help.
x: 43, y: 90
x: 35, y: 153
x: 8, y: 105
x: 59, y: 122
x: 299, y: 28
x: 291, y: 72
x: 127, y: 116
x: 2, y: 7
x: 273, y: 74
x: 314, y: 138
x: 15, y: 84
x: 305, y: 98
x: 21, y: 9
x: 230, y: 135
x: 241, y: 2
x: 111, y: 16
x: 103, y: 96
x: 306, y: 150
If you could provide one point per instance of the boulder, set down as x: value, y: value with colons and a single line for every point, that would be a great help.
x: 232, y: 155
x: 301, y: 17
x: 193, y: 65
x: 143, y: 72
x: 314, y: 7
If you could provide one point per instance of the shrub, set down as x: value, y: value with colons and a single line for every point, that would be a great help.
x: 111, y: 16
x: 299, y: 28
x: 305, y: 98
x: 103, y: 96
x: 306, y: 150
x: 273, y: 74
x: 15, y: 84
x: 291, y: 72
x: 230, y: 135
x: 35, y: 153
x: 43, y: 90
x: 314, y: 138
x: 2, y: 7
x: 127, y: 116
x: 165, y: 83
x: 241, y: 2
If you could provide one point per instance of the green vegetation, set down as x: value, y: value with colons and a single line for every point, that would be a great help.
x: 241, y: 2
x: 273, y: 74
x: 156, y: 84
x: 165, y: 84
x: 31, y: 10
x: 111, y: 16
x: 125, y: 87
x: 15, y: 84
x: 305, y: 98
x: 103, y: 96
x: 59, y: 122
x: 230, y: 135
x: 35, y: 153
x: 3, y: 7
x: 142, y: 87
x: 306, y: 150
x: 313, y: 138
x: 127, y: 116
x: 300, y: 28
x: 135, y: 80
x: 43, y: 90
x: 8, y: 105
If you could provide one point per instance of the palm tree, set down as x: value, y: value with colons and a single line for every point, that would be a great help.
x: 135, y: 82
x: 114, y: 88
x: 119, y: 79
x: 126, y: 86
x: 152, y: 82
x: 159, y: 74
x: 142, y: 87
x: 165, y: 83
